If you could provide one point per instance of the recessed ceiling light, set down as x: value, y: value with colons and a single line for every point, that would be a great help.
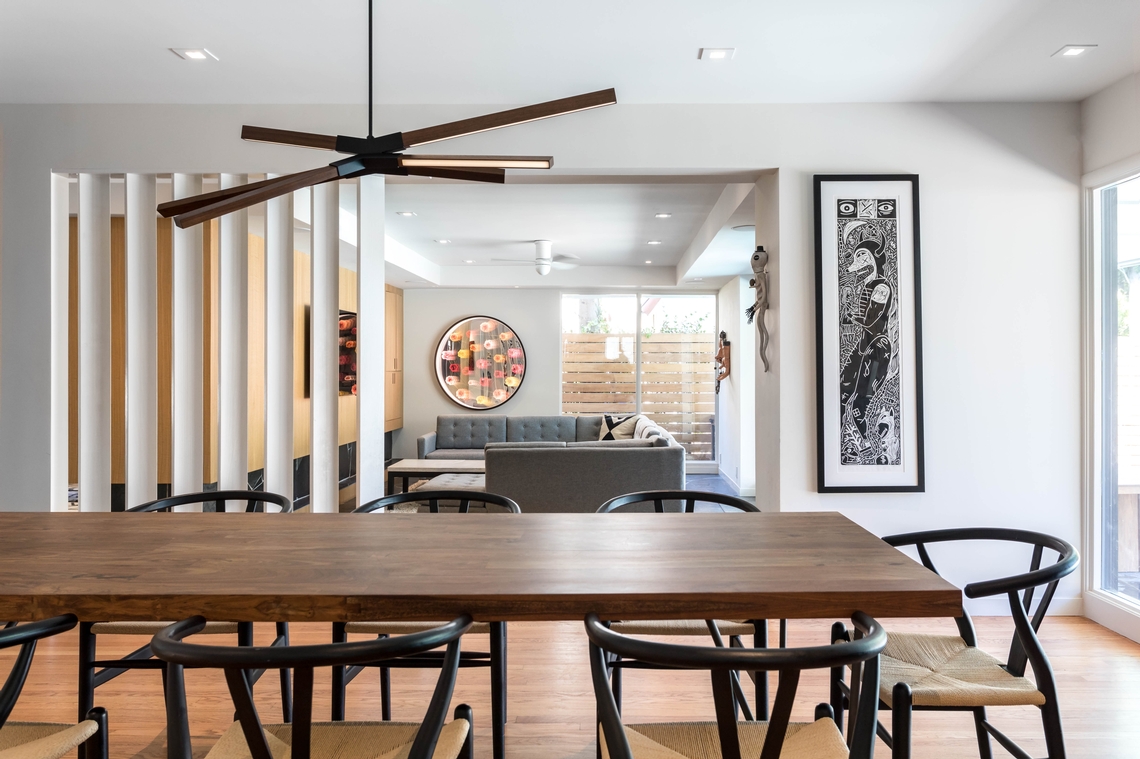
x: 653, y: 242
x: 662, y: 215
x: 405, y: 213
x: 469, y: 261
x: 1072, y: 51
x: 697, y: 279
x: 648, y: 262
x: 716, y: 53
x: 444, y: 242
x: 193, y: 53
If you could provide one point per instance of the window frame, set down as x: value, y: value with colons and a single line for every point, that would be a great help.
x: 1113, y: 610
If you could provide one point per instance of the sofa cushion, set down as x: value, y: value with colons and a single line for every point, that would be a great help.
x: 618, y: 427
x: 611, y: 444
x: 469, y: 431
x: 527, y: 429
x: 462, y: 454
x: 587, y: 428
x: 542, y: 444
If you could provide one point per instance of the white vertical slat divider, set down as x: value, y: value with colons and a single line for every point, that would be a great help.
x: 60, y: 260
x: 370, y: 375
x: 279, y: 346
x: 233, y: 363
x: 142, y: 339
x: 188, y: 293
x: 94, y: 342
x: 323, y: 313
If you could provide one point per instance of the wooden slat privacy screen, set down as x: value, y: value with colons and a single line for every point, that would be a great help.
x: 599, y: 376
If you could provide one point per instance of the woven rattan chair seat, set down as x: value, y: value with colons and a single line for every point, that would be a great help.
x: 43, y: 740
x: 151, y: 628
x: 403, y: 628
x: 699, y: 740
x: 346, y: 740
x: 681, y: 627
x: 942, y: 670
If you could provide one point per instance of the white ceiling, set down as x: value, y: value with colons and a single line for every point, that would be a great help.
x: 517, y: 51
x: 598, y: 224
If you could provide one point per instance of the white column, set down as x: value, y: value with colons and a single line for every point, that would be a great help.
x: 233, y: 362
x: 187, y: 369
x: 142, y: 340
x: 323, y: 331
x: 279, y: 346
x: 370, y: 357
x: 60, y: 259
x: 94, y: 342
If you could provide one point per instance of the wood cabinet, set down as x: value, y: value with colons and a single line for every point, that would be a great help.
x: 393, y: 358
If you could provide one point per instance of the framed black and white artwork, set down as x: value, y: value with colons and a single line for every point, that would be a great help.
x: 868, y: 334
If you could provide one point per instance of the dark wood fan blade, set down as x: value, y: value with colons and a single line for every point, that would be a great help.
x: 495, y: 176
x: 258, y: 193
x: 478, y: 161
x: 509, y: 118
x: 286, y: 137
x: 185, y: 205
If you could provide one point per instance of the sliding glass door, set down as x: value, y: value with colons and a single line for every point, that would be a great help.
x: 1118, y: 215
x: 653, y: 355
x: 678, y: 382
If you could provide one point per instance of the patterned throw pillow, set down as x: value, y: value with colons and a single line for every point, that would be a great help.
x: 618, y: 427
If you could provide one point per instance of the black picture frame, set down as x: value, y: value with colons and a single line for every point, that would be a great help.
x: 440, y: 371
x: 909, y: 474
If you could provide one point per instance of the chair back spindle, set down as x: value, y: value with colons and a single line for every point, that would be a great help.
x: 1025, y: 648
x: 169, y: 646
x: 256, y: 500
x: 722, y: 662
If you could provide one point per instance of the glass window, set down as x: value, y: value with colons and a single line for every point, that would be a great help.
x: 599, y: 354
x: 678, y: 341
x: 1119, y: 213
x: 653, y: 355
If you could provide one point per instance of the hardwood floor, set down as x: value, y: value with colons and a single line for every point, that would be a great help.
x: 551, y: 706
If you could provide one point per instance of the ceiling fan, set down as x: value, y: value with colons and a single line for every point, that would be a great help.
x: 544, y: 261
x: 382, y: 155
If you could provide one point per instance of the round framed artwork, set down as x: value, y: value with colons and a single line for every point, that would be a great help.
x: 480, y: 362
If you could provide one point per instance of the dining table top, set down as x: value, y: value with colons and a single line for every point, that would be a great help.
x: 495, y: 567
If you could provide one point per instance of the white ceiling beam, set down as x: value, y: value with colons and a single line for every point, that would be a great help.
x: 730, y: 199
x: 415, y: 265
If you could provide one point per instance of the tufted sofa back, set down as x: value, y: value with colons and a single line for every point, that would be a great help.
x: 469, y: 430
x: 540, y: 429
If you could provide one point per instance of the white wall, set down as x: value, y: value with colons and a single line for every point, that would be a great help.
x: 533, y: 315
x: 1000, y: 253
x: 1110, y: 124
x: 736, y: 412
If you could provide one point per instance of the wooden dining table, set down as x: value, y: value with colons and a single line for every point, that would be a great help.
x: 495, y: 567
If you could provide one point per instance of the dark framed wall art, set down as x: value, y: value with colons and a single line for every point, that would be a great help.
x: 868, y: 334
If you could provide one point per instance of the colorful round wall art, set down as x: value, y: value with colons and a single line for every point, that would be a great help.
x: 480, y: 363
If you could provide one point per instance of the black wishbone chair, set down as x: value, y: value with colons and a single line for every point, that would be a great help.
x: 734, y: 629
x: 727, y: 738
x: 924, y: 672
x: 94, y: 672
x: 43, y: 740
x: 495, y: 660
x: 248, y: 738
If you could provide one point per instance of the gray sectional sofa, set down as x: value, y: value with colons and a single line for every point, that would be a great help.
x: 556, y: 463
x: 464, y: 436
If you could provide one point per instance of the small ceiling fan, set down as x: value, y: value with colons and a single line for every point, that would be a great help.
x: 382, y: 155
x: 544, y: 261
